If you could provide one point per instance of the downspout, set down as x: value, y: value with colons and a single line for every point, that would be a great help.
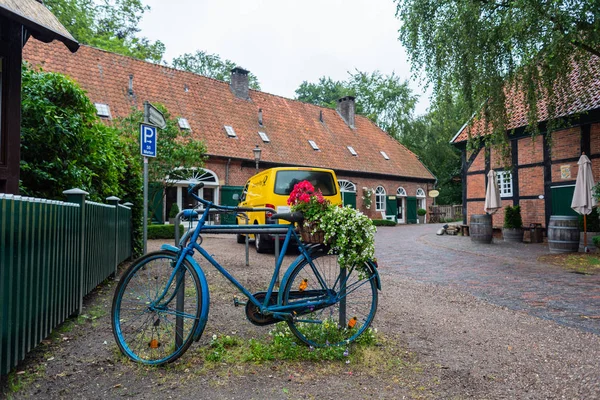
x: 227, y: 172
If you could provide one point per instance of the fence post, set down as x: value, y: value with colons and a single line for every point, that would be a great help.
x: 130, y: 240
x: 114, y: 201
x: 77, y: 196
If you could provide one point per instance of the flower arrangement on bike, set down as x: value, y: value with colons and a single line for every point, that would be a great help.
x: 350, y: 233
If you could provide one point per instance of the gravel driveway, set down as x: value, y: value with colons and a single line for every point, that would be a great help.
x: 476, y: 322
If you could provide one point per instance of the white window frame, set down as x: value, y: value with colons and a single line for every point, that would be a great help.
x: 401, y: 192
x: 313, y: 145
x: 352, y: 151
x: 230, y: 131
x: 380, y: 198
x: 505, y: 183
x: 184, y: 124
x: 420, y: 193
x: 346, y: 186
x: 102, y: 110
x: 264, y: 137
x: 383, y: 153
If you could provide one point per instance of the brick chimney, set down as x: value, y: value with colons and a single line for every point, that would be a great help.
x: 239, y: 83
x: 346, y: 108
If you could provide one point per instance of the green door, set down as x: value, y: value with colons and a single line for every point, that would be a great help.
x: 227, y: 194
x: 349, y: 199
x: 411, y: 210
x: 391, y: 207
x: 561, y: 200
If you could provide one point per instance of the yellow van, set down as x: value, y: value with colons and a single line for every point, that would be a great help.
x: 272, y: 187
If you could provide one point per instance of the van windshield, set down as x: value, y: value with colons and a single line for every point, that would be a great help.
x: 285, y: 181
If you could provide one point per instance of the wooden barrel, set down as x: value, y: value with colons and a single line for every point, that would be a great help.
x: 481, y: 228
x: 563, y: 234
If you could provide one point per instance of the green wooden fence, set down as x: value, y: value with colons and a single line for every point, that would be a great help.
x: 53, y: 253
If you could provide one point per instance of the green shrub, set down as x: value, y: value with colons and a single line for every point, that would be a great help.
x: 383, y: 222
x: 596, y: 240
x: 161, y: 231
x: 421, y: 212
x: 592, y: 221
x: 512, y: 217
x: 174, y: 211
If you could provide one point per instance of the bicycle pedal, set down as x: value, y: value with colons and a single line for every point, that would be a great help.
x: 237, y: 302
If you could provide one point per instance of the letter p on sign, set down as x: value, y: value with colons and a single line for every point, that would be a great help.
x: 148, y: 140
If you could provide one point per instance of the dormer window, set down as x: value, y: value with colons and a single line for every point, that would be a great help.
x: 184, y: 124
x: 230, y: 131
x: 264, y: 137
x: 384, y: 155
x: 313, y: 145
x: 352, y: 151
x: 103, y: 110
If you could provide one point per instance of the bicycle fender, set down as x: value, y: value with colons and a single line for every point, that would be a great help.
x: 205, y: 298
x: 374, y: 270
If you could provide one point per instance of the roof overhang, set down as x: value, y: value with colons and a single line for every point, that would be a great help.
x: 38, y: 20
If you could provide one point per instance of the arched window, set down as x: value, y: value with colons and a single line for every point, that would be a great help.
x: 188, y: 175
x: 347, y: 186
x: 380, y: 199
x: 420, y: 192
x: 401, y: 192
x: 421, y: 201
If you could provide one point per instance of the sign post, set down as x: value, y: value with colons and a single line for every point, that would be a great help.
x: 148, y: 136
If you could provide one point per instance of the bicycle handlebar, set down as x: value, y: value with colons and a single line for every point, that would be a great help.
x: 194, y: 188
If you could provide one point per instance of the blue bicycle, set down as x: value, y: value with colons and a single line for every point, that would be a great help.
x: 161, y: 303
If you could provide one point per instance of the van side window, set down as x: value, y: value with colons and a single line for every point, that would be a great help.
x: 244, y: 192
x: 285, y: 181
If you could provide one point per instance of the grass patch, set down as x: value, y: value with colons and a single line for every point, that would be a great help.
x: 587, y: 264
x: 280, y: 345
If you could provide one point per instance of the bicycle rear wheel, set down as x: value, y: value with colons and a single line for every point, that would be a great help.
x: 154, y: 323
x: 353, y: 294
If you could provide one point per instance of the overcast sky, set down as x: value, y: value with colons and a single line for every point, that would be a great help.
x: 286, y: 42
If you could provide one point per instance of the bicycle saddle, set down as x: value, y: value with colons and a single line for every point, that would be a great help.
x: 296, y: 217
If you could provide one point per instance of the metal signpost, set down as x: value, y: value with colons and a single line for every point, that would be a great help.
x: 153, y: 119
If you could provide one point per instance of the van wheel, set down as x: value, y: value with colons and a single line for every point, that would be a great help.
x: 241, y: 238
x: 262, y: 245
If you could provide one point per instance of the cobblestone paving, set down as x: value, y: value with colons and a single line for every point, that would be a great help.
x: 506, y: 274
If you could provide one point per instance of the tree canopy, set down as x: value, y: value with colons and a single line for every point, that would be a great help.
x: 210, y: 65
x: 63, y: 144
x: 482, y: 49
x: 384, y: 99
x: 111, y: 25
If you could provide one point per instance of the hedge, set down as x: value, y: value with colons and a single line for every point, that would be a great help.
x: 163, y: 231
x: 383, y: 222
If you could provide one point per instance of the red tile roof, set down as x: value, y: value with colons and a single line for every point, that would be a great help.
x: 209, y: 104
x: 584, y: 96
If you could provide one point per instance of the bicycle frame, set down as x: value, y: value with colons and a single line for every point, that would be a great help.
x: 189, y: 243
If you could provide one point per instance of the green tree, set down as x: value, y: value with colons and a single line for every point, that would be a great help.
x: 210, y: 65
x: 176, y: 149
x: 429, y: 137
x: 486, y: 49
x: 111, y: 25
x: 63, y: 143
x: 384, y: 99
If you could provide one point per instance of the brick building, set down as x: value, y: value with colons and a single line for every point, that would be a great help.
x: 543, y: 174
x: 232, y: 120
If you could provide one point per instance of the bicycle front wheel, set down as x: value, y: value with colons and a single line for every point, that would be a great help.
x: 156, y: 308
x: 351, y: 293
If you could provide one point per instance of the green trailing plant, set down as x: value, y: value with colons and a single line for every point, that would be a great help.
x: 592, y: 221
x: 512, y: 217
x: 421, y: 212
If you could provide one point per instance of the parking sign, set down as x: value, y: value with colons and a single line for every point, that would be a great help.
x: 148, y: 140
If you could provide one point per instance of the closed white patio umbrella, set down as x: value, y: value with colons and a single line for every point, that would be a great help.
x: 492, y: 194
x: 583, y: 201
